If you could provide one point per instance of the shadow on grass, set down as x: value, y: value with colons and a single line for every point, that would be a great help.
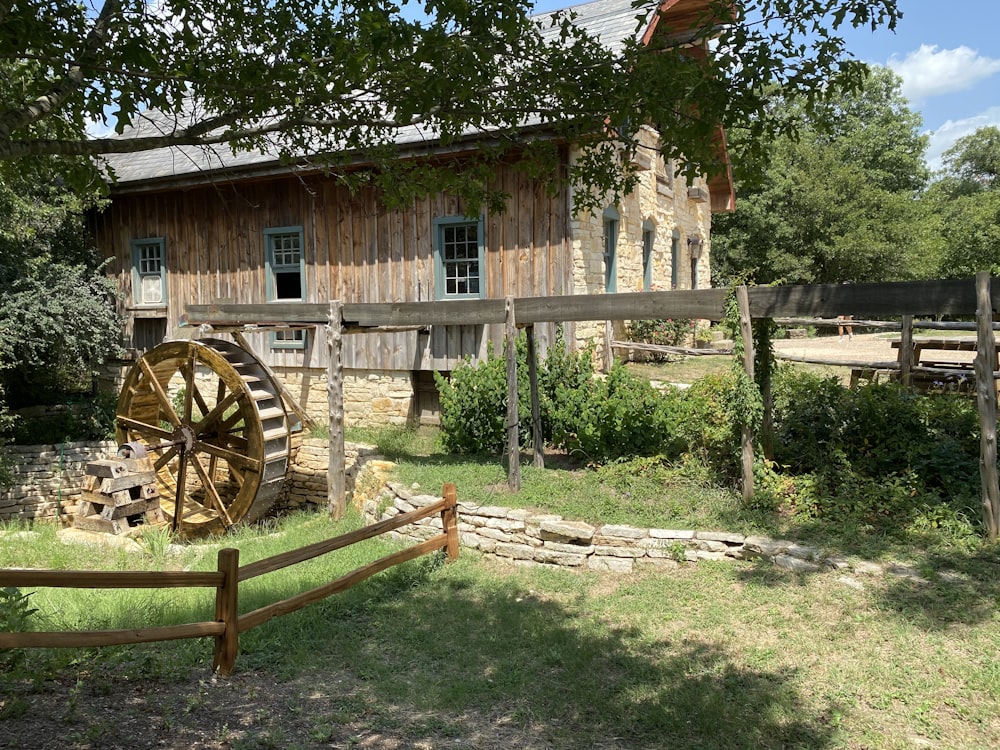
x: 463, y: 655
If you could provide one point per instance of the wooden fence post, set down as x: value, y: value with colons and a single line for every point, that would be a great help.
x: 336, y: 469
x: 449, y: 519
x: 537, y: 446
x: 227, y: 596
x: 746, y: 435
x: 986, y: 395
x: 906, y: 352
x: 513, y: 439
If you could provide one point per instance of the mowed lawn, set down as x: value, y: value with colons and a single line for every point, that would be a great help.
x: 479, y: 654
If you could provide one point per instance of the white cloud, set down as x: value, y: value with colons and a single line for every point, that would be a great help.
x: 931, y: 71
x: 945, y: 136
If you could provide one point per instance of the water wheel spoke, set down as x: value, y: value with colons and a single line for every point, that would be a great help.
x: 181, y: 489
x: 192, y: 387
x: 165, y: 458
x: 232, y: 457
x: 220, y: 409
x: 231, y: 441
x: 188, y: 372
x: 232, y: 420
x: 211, y: 493
x: 161, y: 395
x: 144, y: 430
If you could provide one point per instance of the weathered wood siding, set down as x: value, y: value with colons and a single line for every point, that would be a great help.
x: 354, y: 250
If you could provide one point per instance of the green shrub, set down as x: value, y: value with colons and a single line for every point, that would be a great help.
x: 667, y: 332
x: 91, y: 418
x: 474, y: 405
x: 705, y: 427
x: 624, y: 416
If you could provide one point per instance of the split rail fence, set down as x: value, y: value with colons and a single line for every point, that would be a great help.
x: 228, y: 623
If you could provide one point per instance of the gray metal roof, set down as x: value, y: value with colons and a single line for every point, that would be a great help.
x: 611, y: 21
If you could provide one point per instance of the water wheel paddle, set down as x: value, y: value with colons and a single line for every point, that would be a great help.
x: 213, y: 421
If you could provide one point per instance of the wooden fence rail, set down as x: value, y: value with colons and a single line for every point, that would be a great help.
x: 228, y: 623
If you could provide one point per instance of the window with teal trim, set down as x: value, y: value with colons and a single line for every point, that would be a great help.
x: 675, y: 260
x: 286, y: 278
x: 611, y: 224
x: 459, y: 258
x: 648, y: 234
x: 149, y: 277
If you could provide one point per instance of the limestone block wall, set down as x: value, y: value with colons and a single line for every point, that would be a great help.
x: 525, y: 538
x: 48, y: 479
x: 660, y: 202
x: 371, y: 397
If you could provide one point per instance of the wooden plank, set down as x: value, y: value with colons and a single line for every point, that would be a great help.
x: 537, y: 448
x: 108, y: 579
x: 952, y: 297
x: 513, y: 441
x: 746, y: 436
x: 106, y: 468
x: 128, y: 481
x: 285, y: 559
x: 94, y: 638
x: 449, y: 519
x: 227, y: 613
x: 295, y: 603
x: 906, y: 353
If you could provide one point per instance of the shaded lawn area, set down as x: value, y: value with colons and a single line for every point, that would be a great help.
x: 482, y: 655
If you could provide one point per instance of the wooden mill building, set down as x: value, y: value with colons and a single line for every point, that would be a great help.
x: 203, y: 226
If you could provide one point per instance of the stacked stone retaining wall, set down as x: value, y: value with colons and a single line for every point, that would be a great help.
x: 47, y: 479
x: 525, y: 538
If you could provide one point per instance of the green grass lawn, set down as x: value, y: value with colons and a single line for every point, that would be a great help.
x: 479, y: 654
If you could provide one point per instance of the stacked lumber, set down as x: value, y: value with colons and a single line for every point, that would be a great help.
x: 118, y: 494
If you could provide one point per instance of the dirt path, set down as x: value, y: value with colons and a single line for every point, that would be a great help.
x: 863, y: 347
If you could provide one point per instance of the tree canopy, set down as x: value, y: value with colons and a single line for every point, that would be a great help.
x: 964, y: 205
x: 342, y: 77
x: 838, y: 198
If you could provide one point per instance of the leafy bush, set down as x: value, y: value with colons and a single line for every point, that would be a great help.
x: 474, y: 405
x: 621, y: 416
x: 667, y: 332
x: 90, y: 418
x: 705, y: 426
x: 15, y: 614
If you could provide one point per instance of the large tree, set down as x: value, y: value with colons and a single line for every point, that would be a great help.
x: 838, y: 200
x: 343, y: 76
x: 965, y: 206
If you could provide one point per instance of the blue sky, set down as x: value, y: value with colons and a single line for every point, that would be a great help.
x: 948, y: 55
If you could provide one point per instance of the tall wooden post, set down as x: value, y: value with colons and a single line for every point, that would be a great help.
x: 986, y: 396
x: 449, y: 519
x: 538, y: 453
x: 227, y: 612
x: 906, y: 352
x: 336, y: 469
x: 746, y: 434
x: 513, y: 441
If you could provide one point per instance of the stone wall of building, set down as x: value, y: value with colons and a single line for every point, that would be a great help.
x: 48, y: 479
x: 661, y: 203
x: 371, y: 397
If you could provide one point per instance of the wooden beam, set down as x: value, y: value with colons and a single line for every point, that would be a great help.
x: 537, y: 442
x: 513, y: 440
x: 906, y: 352
x: 986, y: 396
x: 337, y: 466
x: 746, y: 435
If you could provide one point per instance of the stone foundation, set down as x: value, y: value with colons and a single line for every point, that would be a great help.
x: 371, y: 397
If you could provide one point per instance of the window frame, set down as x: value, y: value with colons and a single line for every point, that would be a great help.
x: 648, y: 240
x: 441, y: 223
x: 136, y: 247
x: 612, y: 227
x: 675, y: 261
x: 272, y: 268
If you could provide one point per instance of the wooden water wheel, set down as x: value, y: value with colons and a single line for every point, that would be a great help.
x: 212, y: 419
